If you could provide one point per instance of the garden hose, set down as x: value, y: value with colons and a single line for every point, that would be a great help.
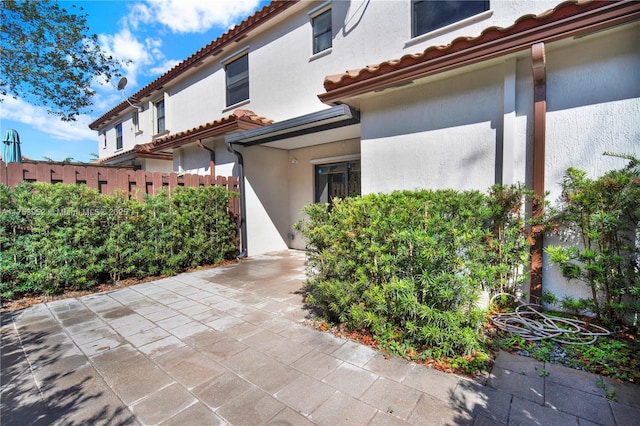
x: 530, y: 323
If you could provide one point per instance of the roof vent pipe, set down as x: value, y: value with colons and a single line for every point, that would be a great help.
x: 243, y: 202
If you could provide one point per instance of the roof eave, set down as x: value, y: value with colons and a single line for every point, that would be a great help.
x: 326, y: 119
x: 259, y: 18
x: 232, y: 125
x: 593, y: 17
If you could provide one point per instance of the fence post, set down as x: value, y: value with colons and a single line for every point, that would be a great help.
x: 3, y: 173
x: 157, y: 183
x: 91, y: 177
x: 69, y: 174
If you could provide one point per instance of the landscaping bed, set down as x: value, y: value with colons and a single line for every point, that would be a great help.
x: 29, y: 300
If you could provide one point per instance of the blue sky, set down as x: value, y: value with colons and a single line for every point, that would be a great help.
x: 154, y: 34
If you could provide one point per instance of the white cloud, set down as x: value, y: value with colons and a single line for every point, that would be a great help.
x: 191, y: 16
x: 145, y: 55
x: 164, y: 66
x: 38, y: 118
x: 126, y: 47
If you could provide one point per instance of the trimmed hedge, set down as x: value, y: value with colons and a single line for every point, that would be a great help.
x: 60, y: 236
x: 409, y: 266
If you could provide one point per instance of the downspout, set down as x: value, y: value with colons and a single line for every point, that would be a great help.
x: 243, y: 203
x: 212, y: 157
x: 538, y: 64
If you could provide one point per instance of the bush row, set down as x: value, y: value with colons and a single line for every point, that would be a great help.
x: 409, y: 266
x: 60, y: 236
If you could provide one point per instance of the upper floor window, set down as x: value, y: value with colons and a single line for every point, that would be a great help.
x: 103, y: 135
x: 119, y: 136
x: 429, y: 15
x: 322, y: 32
x: 135, y: 119
x: 160, y: 117
x: 237, y: 80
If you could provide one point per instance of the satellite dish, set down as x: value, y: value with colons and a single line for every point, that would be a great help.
x: 122, y: 83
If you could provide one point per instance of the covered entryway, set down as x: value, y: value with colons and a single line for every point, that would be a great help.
x: 288, y: 164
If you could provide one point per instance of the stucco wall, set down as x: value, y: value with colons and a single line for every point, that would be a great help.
x: 285, y: 77
x: 437, y: 135
x: 444, y: 133
x: 301, y: 178
x: 593, y: 92
x: 267, y: 194
x: 153, y: 165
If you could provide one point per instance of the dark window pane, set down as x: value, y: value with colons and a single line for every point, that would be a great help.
x: 238, y: 80
x: 160, y: 121
x: 322, y: 42
x: 337, y: 180
x: 430, y: 15
x: 322, y: 33
x: 119, y: 136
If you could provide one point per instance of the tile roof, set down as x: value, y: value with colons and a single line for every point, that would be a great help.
x: 241, y: 119
x: 569, y: 18
x: 234, y: 34
x: 117, y: 156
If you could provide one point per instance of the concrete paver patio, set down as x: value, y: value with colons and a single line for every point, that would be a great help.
x: 228, y: 346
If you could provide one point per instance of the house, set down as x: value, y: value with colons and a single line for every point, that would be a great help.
x: 457, y: 95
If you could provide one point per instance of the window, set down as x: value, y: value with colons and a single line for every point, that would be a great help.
x: 429, y: 15
x: 103, y: 135
x: 160, y: 118
x: 135, y: 119
x: 337, y: 180
x: 119, y: 136
x: 237, y: 80
x: 322, y: 34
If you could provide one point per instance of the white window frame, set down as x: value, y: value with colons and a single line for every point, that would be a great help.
x: 445, y: 29
x: 314, y: 13
x: 156, y: 128
x: 121, y: 138
x: 135, y: 121
x: 227, y: 61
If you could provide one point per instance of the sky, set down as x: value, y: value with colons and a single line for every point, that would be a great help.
x: 154, y: 35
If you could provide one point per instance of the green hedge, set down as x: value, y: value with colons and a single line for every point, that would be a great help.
x: 59, y: 236
x: 409, y: 266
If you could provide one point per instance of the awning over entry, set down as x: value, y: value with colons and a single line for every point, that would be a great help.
x: 336, y: 123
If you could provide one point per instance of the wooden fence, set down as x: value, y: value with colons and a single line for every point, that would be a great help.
x: 106, y: 179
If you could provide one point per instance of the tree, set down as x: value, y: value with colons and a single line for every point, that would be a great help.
x: 48, y: 59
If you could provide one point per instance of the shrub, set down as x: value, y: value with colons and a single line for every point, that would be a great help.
x: 59, y: 236
x: 603, y: 215
x: 409, y: 266
x: 398, y: 265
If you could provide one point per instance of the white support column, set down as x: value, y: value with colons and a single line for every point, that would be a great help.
x: 509, y: 121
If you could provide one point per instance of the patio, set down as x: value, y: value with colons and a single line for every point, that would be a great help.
x: 229, y: 346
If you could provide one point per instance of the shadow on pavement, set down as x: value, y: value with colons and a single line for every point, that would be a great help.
x: 46, y: 380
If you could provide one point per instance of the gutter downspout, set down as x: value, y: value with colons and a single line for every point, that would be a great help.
x: 212, y: 157
x: 243, y: 203
x: 538, y: 65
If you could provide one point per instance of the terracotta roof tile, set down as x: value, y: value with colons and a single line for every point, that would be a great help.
x: 525, y: 25
x: 239, y: 119
x: 260, y: 17
x: 116, y: 156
